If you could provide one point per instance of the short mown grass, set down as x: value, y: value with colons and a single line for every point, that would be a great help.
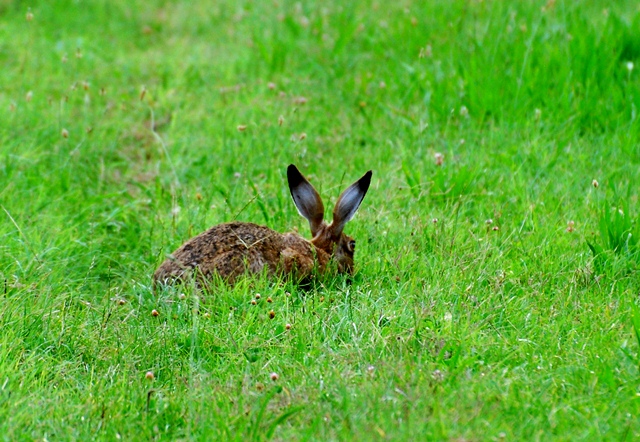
x: 497, y: 286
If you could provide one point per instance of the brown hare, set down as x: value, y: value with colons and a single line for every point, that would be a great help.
x: 233, y: 249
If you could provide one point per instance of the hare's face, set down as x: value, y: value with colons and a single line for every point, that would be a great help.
x: 343, y: 254
x: 340, y: 247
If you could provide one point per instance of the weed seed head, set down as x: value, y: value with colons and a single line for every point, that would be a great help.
x: 288, y: 326
x: 280, y: 120
x: 271, y: 86
x: 571, y: 226
x: 29, y: 15
x: 150, y: 376
x: 29, y: 96
x: 242, y: 127
x: 439, y: 158
x: 272, y: 314
x: 274, y: 376
x: 64, y: 133
x: 464, y: 112
x: 425, y: 52
x: 595, y: 183
x: 258, y: 296
x: 154, y: 312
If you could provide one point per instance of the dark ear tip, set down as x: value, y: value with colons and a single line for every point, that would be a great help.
x: 294, y: 177
x: 365, y: 181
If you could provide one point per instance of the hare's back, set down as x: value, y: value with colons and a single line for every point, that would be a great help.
x: 228, y: 250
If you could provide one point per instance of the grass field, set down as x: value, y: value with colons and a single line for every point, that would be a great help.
x: 496, y: 293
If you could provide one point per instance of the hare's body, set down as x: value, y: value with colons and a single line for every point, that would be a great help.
x: 232, y: 249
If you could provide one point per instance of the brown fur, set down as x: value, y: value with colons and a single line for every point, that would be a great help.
x: 233, y: 249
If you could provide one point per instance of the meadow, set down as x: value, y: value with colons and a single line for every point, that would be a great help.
x: 498, y: 269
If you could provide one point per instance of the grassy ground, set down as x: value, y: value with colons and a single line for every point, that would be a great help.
x: 495, y: 295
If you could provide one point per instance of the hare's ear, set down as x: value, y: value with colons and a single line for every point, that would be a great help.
x: 349, y: 202
x: 306, y: 198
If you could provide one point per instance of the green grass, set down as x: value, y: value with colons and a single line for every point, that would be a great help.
x: 496, y: 296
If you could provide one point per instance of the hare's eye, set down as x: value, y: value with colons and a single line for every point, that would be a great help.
x: 352, y: 245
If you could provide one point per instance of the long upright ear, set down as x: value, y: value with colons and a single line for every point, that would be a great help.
x: 349, y: 202
x: 306, y: 199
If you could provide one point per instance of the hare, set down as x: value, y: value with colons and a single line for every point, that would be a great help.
x: 233, y: 249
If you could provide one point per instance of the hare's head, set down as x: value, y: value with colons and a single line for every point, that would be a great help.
x: 329, y: 237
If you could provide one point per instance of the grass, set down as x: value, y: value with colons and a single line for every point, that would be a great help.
x: 496, y: 295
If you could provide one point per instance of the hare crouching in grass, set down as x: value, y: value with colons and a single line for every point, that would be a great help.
x: 233, y: 249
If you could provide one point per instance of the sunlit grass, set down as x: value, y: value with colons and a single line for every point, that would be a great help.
x: 497, y: 263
